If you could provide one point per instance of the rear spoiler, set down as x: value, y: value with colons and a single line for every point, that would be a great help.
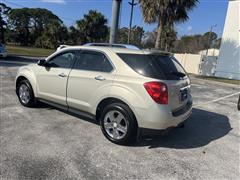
x: 164, y: 53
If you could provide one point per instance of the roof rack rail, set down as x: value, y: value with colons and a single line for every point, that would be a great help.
x: 127, y: 46
x: 62, y: 47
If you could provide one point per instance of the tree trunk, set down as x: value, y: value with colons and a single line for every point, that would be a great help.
x: 159, y: 33
x: 27, y: 36
x: 166, y: 47
x: 2, y: 39
x: 1, y: 32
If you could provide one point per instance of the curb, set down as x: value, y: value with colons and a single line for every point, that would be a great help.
x: 217, y: 82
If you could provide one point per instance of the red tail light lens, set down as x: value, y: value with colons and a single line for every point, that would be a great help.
x: 158, y: 91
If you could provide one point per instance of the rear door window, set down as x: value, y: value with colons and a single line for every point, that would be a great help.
x: 93, y: 61
x: 154, y: 65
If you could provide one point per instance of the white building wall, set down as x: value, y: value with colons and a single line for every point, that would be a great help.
x: 190, y: 62
x: 229, y: 57
x: 208, y: 66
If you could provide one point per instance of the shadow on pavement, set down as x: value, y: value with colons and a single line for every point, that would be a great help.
x: 21, y: 59
x: 13, y: 61
x: 42, y: 105
x: 3, y: 64
x: 201, y: 128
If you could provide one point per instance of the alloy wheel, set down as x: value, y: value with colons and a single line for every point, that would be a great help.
x: 115, y: 124
x: 24, y: 93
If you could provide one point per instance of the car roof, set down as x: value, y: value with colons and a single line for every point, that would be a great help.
x: 116, y: 50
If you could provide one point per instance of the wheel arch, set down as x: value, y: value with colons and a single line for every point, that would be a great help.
x: 109, y: 100
x: 19, y: 79
x: 24, y: 77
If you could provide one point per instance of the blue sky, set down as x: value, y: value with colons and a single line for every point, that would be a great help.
x: 207, y: 13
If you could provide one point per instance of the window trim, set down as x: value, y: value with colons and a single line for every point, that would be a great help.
x: 61, y: 53
x: 95, y: 51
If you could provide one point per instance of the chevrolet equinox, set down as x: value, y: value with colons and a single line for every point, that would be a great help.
x: 125, y: 90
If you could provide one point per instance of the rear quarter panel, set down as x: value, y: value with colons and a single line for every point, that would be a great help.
x: 129, y: 90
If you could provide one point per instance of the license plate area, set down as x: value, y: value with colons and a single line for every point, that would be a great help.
x: 183, y: 95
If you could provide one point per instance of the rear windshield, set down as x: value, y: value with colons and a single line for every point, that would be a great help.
x: 154, y: 65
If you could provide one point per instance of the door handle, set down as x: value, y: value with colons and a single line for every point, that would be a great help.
x: 100, y: 78
x: 62, y: 75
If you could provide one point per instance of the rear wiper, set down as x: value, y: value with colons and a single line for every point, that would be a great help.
x: 179, y: 74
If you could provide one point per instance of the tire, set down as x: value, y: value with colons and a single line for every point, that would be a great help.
x: 119, y: 124
x: 25, y: 86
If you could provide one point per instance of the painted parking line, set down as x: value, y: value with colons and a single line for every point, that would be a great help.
x: 216, y: 100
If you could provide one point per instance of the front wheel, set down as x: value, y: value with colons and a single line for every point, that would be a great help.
x: 118, y: 123
x: 25, y: 93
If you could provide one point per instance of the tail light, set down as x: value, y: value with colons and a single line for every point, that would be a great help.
x: 158, y: 91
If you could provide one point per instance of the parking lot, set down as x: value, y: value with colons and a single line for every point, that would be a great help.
x: 46, y: 143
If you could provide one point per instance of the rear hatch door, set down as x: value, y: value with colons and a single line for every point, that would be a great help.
x: 179, y: 93
x: 165, y: 68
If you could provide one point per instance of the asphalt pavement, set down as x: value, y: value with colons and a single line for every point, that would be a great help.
x: 46, y: 143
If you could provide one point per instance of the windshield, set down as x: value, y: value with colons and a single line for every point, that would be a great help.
x: 154, y: 65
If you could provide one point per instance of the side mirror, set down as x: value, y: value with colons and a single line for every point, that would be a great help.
x: 42, y: 62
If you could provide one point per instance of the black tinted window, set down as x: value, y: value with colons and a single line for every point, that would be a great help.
x: 64, y: 60
x: 154, y: 65
x: 93, y: 61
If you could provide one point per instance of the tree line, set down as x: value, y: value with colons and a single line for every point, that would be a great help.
x: 185, y: 44
x: 40, y: 27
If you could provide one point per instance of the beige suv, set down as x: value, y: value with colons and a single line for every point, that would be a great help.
x: 125, y: 90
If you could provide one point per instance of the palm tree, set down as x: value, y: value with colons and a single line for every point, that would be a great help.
x: 165, y: 13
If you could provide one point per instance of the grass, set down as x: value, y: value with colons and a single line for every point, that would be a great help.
x: 28, y: 51
x: 224, y: 80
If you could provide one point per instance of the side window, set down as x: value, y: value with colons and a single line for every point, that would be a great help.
x: 93, y: 61
x: 64, y: 60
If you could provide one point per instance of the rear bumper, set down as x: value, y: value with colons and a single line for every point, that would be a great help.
x: 161, y: 117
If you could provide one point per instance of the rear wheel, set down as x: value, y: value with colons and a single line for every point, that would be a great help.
x: 118, y: 123
x: 25, y: 93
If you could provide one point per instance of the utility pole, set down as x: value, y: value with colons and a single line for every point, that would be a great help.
x: 209, y: 37
x: 132, y: 4
x: 116, y: 4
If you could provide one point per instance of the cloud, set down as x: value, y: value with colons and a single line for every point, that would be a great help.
x: 189, y: 28
x: 54, y: 1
